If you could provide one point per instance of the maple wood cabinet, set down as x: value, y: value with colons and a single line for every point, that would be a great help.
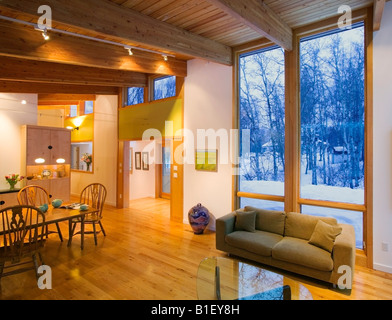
x: 47, y: 159
x: 50, y: 144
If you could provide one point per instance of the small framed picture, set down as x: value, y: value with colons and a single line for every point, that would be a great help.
x: 145, y: 162
x: 138, y: 160
x: 206, y: 160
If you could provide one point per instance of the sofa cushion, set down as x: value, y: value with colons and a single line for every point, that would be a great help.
x: 324, y: 235
x: 299, y: 225
x: 269, y: 220
x: 245, y: 221
x: 299, y: 251
x: 259, y: 242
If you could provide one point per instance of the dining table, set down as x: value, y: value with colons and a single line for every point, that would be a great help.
x: 64, y: 213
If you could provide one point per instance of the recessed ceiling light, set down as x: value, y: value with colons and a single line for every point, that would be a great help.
x: 23, y: 102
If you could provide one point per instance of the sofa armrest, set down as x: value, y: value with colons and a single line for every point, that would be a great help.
x: 344, y: 252
x: 224, y: 226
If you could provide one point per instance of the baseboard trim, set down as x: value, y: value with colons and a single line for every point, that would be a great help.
x: 382, y: 267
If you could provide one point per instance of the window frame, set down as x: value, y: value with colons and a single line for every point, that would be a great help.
x: 126, y: 102
x: 291, y: 198
x: 264, y: 46
x: 151, y: 87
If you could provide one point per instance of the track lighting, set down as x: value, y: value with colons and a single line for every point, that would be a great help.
x: 45, y: 34
x: 130, y: 52
x: 53, y: 30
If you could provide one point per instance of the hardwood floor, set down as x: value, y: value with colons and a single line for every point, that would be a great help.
x: 145, y: 256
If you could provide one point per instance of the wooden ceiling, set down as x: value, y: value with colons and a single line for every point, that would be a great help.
x: 184, y: 29
x: 205, y: 18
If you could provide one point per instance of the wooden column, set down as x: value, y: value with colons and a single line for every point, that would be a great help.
x: 292, y: 133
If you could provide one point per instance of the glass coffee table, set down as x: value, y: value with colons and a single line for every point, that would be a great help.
x: 220, y: 278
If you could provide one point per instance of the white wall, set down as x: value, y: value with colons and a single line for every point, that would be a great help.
x: 51, y: 118
x: 14, y: 114
x: 382, y: 142
x: 141, y: 182
x: 208, y: 104
x: 105, y: 150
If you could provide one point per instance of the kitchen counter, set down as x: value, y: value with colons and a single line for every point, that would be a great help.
x: 3, y: 191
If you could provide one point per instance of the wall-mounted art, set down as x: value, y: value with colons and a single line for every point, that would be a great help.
x: 206, y: 160
x: 145, y: 161
x: 138, y: 160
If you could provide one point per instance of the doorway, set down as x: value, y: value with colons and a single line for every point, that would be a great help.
x: 165, y: 170
x: 150, y: 169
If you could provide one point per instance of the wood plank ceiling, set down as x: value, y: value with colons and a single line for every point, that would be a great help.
x: 184, y: 29
x: 203, y: 18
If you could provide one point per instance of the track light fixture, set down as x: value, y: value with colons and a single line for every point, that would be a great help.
x: 45, y: 34
x: 165, y: 57
x: 130, y: 52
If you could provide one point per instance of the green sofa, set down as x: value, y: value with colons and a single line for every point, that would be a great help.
x: 291, y: 241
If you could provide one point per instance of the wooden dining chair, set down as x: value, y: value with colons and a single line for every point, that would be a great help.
x: 22, y: 236
x: 94, y: 195
x: 36, y: 196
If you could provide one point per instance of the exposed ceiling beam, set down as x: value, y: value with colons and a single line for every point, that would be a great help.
x: 258, y: 16
x: 65, y: 97
x: 36, y: 87
x: 49, y: 72
x: 102, y: 18
x: 378, y: 11
x: 27, y: 43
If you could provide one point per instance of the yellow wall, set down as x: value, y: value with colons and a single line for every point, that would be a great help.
x: 86, y: 128
x: 135, y: 120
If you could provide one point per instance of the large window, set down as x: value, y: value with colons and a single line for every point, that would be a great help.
x: 310, y: 155
x: 262, y: 125
x: 333, y: 121
x: 333, y: 117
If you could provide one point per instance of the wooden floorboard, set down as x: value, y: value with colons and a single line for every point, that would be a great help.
x: 145, y: 256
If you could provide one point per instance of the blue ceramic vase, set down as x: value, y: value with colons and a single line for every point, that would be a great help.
x: 199, y: 217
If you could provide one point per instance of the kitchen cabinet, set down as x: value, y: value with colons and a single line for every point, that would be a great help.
x: 47, y: 159
x: 49, y: 144
x: 8, y: 198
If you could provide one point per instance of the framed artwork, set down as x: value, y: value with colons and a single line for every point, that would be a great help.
x: 145, y: 163
x: 206, y: 160
x: 138, y: 160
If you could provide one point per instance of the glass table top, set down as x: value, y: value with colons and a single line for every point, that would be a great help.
x: 220, y: 278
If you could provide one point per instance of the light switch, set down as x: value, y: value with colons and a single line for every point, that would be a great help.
x: 175, y: 168
x: 175, y: 175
